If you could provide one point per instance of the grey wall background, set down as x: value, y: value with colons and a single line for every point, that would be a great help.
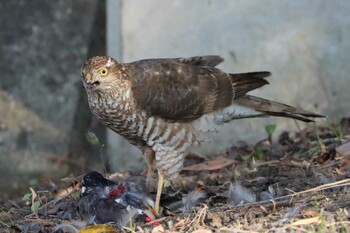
x: 305, y: 44
x: 43, y: 113
x: 42, y: 46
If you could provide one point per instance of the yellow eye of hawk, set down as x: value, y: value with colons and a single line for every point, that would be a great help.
x: 104, y: 72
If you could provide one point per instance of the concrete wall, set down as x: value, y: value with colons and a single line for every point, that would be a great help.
x: 122, y: 156
x: 305, y: 44
x: 42, y: 46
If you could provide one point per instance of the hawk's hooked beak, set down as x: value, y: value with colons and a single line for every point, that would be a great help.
x: 89, y: 82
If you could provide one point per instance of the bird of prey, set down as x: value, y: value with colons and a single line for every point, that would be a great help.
x: 156, y: 104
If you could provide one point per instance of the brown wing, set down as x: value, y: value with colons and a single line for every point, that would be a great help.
x: 185, y: 89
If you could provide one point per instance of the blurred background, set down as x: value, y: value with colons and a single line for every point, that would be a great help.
x: 44, y: 113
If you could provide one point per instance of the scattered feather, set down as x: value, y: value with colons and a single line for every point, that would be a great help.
x: 32, y: 227
x: 322, y: 177
x: 149, y: 214
x: 237, y: 194
x: 271, y: 193
x: 291, y: 212
x: 125, y: 217
x: 65, y: 227
x: 192, y: 199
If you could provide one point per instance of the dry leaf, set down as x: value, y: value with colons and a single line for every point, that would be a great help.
x: 309, y: 213
x: 202, y: 231
x: 323, y: 157
x: 216, y: 221
x: 307, y: 221
x: 180, y: 224
x: 215, y: 164
x: 300, y: 163
x: 259, y: 180
x: 99, y: 228
x: 339, y: 171
x: 158, y: 229
x: 263, y: 209
x: 64, y: 192
x: 287, y: 160
x: 345, y: 161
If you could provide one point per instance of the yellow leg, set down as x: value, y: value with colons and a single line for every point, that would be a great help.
x: 159, y: 192
x: 149, y: 177
x: 148, y: 153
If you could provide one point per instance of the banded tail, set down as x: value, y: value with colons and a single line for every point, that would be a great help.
x: 273, y: 108
x: 247, y: 106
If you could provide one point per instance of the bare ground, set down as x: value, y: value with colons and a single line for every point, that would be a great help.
x: 298, y: 183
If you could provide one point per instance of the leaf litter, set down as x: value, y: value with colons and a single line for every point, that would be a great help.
x: 287, y: 183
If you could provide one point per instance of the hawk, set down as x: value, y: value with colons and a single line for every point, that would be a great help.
x: 156, y: 104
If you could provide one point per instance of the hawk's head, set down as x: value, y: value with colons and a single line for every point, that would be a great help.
x: 100, y: 74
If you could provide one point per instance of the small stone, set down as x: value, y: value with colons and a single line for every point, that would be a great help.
x: 158, y: 229
x: 344, y: 149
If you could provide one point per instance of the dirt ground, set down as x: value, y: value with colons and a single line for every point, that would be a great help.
x: 284, y: 183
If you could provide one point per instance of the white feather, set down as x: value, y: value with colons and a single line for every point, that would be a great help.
x: 232, y: 112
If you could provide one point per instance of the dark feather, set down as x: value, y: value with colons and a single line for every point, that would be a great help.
x: 246, y: 82
x: 210, y: 60
x: 184, y: 90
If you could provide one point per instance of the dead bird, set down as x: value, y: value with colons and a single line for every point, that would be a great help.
x: 103, y: 200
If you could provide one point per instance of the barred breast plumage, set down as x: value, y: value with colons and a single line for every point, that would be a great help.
x: 169, y: 140
x: 156, y: 104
